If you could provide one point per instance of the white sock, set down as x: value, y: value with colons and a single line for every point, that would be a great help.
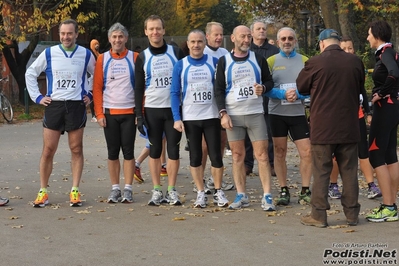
x: 116, y: 187
x: 138, y: 164
x: 128, y: 187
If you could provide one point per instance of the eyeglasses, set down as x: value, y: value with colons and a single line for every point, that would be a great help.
x: 290, y: 38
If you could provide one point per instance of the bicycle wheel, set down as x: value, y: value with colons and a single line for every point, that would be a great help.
x: 6, y: 109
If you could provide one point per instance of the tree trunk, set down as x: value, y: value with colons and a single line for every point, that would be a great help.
x: 346, y: 21
x: 18, y: 62
x: 330, y: 17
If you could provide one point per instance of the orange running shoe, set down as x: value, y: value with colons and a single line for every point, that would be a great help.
x: 163, y: 171
x: 41, y: 200
x: 74, y: 197
x: 137, y: 175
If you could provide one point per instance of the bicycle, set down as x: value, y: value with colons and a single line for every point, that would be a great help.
x: 5, y: 104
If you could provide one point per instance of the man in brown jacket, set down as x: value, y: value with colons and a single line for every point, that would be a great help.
x: 333, y: 79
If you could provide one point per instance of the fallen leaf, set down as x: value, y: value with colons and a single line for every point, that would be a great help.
x: 179, y: 219
x: 339, y: 226
x: 349, y: 231
x: 17, y: 226
x: 84, y: 212
x: 13, y: 217
x: 272, y: 221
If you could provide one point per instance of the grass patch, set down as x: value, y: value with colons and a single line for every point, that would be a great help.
x: 36, y: 111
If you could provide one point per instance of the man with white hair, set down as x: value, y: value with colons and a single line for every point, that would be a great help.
x: 287, y: 114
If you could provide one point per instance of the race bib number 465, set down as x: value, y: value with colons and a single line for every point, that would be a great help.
x: 244, y: 90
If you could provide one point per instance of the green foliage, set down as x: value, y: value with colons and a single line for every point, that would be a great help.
x: 284, y: 11
x: 225, y: 13
x: 25, y: 117
x: 197, y: 13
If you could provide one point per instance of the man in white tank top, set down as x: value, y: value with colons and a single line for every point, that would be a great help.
x: 113, y: 93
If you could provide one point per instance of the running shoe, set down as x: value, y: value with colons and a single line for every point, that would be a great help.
x: 383, y: 214
x: 137, y: 175
x: 305, y: 196
x: 373, y: 192
x: 211, y: 185
x: 283, y: 197
x: 115, y: 196
x: 334, y: 192
x: 201, y: 200
x: 173, y: 197
x: 163, y: 171
x: 3, y: 201
x: 239, y: 202
x: 156, y: 199
x: 127, y: 196
x: 267, y: 203
x: 41, y: 200
x: 74, y: 199
x: 220, y: 199
x: 228, y: 152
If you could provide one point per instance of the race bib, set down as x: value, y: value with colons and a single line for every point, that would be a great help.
x: 289, y: 86
x: 201, y: 93
x: 65, y: 80
x: 161, y: 74
x: 244, y: 89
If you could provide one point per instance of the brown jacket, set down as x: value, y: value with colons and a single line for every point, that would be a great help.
x: 334, y: 80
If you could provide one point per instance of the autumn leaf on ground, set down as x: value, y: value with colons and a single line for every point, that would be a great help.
x: 179, y: 219
x: 17, y: 226
x: 84, y: 212
x: 339, y: 226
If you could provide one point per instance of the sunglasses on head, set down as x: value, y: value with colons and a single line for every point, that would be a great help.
x: 290, y: 38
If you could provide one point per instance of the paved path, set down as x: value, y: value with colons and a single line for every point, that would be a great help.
x: 136, y: 234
